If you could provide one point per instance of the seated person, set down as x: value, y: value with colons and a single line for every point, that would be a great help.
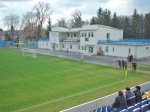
x: 137, y: 93
x: 130, y: 98
x: 120, y: 102
x: 147, y: 94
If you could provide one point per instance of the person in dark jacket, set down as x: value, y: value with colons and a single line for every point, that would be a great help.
x: 119, y: 63
x: 123, y: 63
x: 130, y: 98
x: 120, y: 102
x: 137, y: 93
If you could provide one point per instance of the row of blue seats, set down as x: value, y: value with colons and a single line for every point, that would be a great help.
x: 143, y: 106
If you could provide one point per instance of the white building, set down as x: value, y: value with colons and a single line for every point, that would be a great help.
x: 138, y: 48
x: 90, y: 39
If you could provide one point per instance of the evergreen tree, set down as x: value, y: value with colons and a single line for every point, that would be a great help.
x: 93, y: 21
x: 127, y: 28
x: 106, y: 15
x: 115, y: 21
x: 135, y: 25
x: 147, y: 25
x: 49, y: 27
x: 99, y: 16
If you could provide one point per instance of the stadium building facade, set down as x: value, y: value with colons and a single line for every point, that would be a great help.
x: 95, y: 39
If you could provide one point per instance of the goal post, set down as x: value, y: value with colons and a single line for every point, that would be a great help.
x: 26, y: 52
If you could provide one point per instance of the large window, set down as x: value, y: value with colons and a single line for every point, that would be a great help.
x: 106, y: 49
x: 129, y: 50
x: 70, y: 46
x: 113, y: 49
x: 108, y: 36
x: 82, y: 47
x: 92, y: 35
x: 89, y: 34
x: 86, y: 39
x: 82, y: 35
x: 85, y: 34
x: 63, y: 46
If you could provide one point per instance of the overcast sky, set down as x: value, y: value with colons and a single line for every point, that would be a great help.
x: 64, y: 8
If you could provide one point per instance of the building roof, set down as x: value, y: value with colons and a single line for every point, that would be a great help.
x: 126, y: 42
x: 83, y: 28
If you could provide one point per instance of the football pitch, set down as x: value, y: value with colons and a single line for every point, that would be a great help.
x: 51, y: 84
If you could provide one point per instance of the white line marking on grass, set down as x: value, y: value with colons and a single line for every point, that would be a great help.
x: 66, y: 97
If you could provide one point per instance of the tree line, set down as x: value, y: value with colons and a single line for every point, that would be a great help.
x: 136, y: 26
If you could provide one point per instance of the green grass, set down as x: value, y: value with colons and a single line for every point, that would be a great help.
x: 63, y: 83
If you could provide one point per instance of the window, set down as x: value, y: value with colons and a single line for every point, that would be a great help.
x: 129, y: 50
x: 74, y: 34
x: 106, y: 49
x: 113, y: 49
x: 85, y: 34
x: 82, y: 35
x: 86, y: 39
x: 68, y: 34
x: 56, y: 45
x: 70, y: 46
x: 63, y: 46
x: 46, y: 44
x: 82, y: 47
x: 89, y: 34
x: 108, y: 36
x: 79, y: 47
x: 147, y: 48
x: 85, y: 48
x: 92, y: 35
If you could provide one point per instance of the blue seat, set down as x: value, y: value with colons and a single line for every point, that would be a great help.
x: 137, y: 110
x: 137, y: 105
x: 103, y: 109
x: 108, y: 108
x: 144, y: 108
x: 130, y: 109
x: 124, y: 110
x: 98, y: 110
x: 148, y: 100
x: 143, y: 102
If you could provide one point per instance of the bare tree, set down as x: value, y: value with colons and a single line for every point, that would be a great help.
x: 29, y: 21
x: 77, y: 19
x: 61, y: 22
x: 42, y: 11
x: 12, y: 22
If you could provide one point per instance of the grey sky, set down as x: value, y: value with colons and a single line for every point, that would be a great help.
x: 64, y: 8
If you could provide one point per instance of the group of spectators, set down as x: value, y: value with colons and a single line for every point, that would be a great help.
x: 123, y: 101
x: 122, y: 64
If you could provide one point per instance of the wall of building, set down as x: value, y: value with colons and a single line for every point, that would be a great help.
x: 137, y: 51
x: 70, y: 46
x: 43, y: 44
x: 54, y: 41
x: 117, y: 50
x: 115, y: 34
x: 143, y: 51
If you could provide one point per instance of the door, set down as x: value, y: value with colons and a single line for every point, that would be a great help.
x: 90, y: 49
